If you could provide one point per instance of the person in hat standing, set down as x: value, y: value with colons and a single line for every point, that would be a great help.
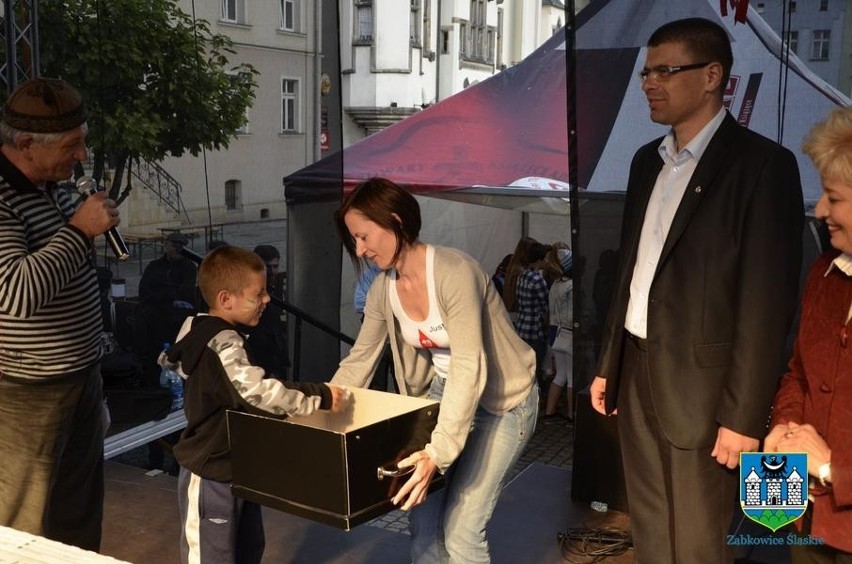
x: 51, y: 399
x: 167, y: 293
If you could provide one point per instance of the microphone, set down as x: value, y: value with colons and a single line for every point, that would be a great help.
x: 87, y: 186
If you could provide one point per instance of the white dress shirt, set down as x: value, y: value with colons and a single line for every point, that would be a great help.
x: 666, y: 197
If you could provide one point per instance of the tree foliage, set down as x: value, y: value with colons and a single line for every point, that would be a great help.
x: 155, y: 81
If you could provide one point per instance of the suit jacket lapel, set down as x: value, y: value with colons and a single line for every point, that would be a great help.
x: 708, y: 168
x: 652, y: 169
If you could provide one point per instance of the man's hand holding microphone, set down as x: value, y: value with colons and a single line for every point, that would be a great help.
x: 98, y: 214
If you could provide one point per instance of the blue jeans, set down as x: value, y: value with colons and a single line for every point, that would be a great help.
x: 450, y: 525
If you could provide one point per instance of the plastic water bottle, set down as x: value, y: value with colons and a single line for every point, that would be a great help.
x: 165, y: 377
x: 176, y: 388
x: 171, y: 380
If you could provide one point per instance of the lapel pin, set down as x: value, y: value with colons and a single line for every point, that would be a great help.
x: 698, y: 189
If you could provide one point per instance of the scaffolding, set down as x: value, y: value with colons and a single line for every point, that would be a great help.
x: 20, y: 40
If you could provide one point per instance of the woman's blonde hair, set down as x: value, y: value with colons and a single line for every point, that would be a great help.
x: 829, y: 145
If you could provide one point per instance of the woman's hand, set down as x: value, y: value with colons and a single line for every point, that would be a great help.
x: 804, y: 438
x: 417, y: 486
x: 770, y: 443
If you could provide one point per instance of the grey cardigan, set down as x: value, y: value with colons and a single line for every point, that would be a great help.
x: 490, y: 366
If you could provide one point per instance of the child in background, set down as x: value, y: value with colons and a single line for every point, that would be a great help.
x: 210, y: 355
x: 561, y: 306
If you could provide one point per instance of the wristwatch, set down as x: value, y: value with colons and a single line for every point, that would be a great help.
x: 824, y: 472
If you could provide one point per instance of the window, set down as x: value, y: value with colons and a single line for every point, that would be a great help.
x: 364, y: 21
x: 289, y: 105
x: 288, y: 15
x: 822, y: 38
x: 234, y: 11
x: 792, y: 7
x: 500, y: 38
x: 233, y: 195
x: 477, y: 31
x: 427, y: 26
x: 823, y: 5
x: 445, y: 41
x: 760, y: 7
x: 793, y: 41
x: 414, y: 23
x: 475, y: 37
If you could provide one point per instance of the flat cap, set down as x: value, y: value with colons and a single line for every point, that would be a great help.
x: 44, y: 105
x: 177, y: 237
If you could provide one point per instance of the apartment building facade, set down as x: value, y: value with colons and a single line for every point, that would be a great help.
x: 280, y: 38
x: 819, y: 32
x: 396, y: 58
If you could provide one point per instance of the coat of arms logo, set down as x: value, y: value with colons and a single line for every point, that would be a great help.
x: 773, y: 487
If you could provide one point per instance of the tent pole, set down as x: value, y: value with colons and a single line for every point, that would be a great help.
x: 571, y: 101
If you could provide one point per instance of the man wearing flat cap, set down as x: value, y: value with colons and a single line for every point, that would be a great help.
x: 51, y: 404
x: 167, y: 293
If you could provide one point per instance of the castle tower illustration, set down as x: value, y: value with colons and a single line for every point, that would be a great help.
x: 795, y: 495
x: 752, y: 496
x: 773, y: 491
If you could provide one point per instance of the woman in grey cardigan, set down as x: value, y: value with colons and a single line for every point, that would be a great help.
x: 451, y: 340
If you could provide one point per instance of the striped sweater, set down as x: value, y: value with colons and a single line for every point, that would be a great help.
x: 50, y: 315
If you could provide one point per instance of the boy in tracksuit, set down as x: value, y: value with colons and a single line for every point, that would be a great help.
x: 210, y: 355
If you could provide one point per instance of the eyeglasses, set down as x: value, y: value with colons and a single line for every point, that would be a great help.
x: 664, y: 72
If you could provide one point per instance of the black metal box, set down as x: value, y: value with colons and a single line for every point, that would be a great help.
x: 333, y: 468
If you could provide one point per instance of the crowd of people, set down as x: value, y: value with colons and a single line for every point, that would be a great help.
x: 701, y: 299
x: 536, y: 284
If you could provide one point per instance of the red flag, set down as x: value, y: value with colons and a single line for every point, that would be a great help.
x: 740, y: 7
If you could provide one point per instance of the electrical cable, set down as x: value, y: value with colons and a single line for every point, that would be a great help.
x: 785, y: 54
x: 592, y: 545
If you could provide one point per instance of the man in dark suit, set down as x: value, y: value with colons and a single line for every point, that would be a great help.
x: 694, y: 341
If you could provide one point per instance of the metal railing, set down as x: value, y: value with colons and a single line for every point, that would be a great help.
x: 162, y: 184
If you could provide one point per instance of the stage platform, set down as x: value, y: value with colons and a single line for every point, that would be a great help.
x: 141, y: 524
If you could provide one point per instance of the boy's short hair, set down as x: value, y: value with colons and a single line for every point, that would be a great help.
x: 226, y: 268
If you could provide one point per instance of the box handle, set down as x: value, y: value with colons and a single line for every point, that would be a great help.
x: 382, y: 473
